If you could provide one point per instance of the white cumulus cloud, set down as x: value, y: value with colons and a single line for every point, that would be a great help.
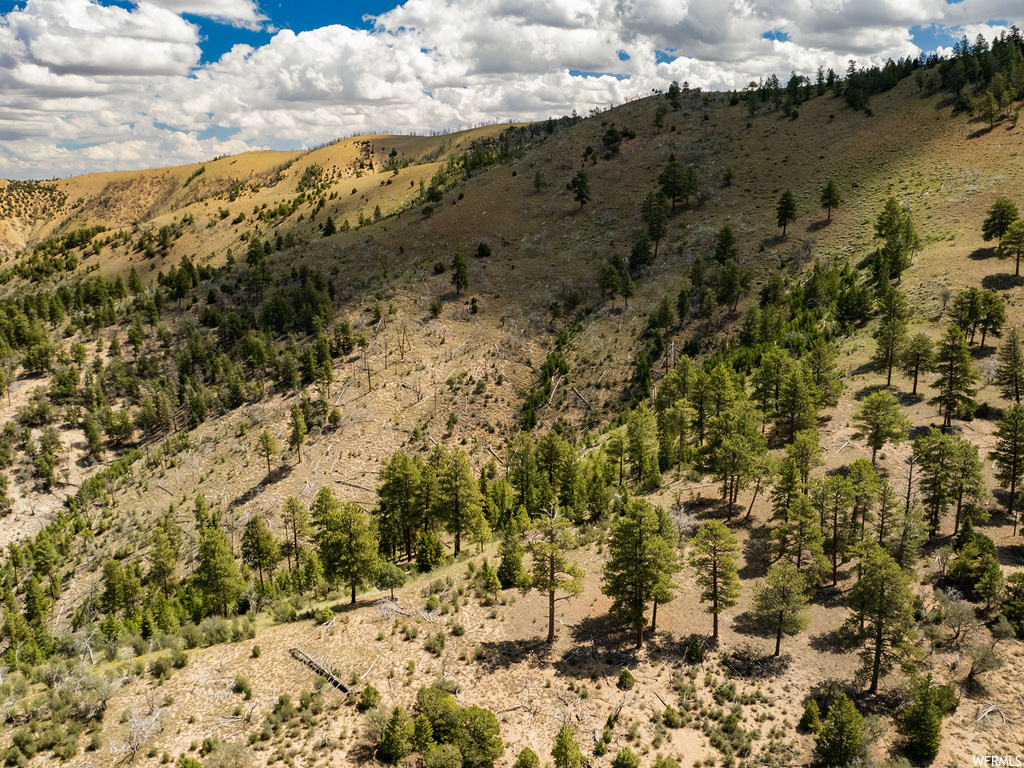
x: 87, y: 86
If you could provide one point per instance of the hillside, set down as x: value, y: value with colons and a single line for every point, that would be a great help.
x: 158, y: 323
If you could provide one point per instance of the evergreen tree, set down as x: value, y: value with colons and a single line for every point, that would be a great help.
x: 820, y: 363
x: 458, y: 502
x: 639, y: 562
x: 714, y: 558
x: 999, y: 218
x: 348, y: 548
x: 642, y: 436
x: 673, y: 181
x: 891, y: 334
x: 956, y: 376
x: 785, y: 210
x: 297, y: 436
x: 1013, y: 243
x: 295, y: 518
x: 991, y: 315
x: 260, y: 550
x: 552, y: 571
x: 885, y: 604
x: 654, y: 212
x: 390, y: 577
x: 840, y: 740
x: 268, y: 448
x: 915, y: 357
x: 580, y: 187
x: 398, y: 496
x: 797, y: 406
x: 832, y: 499
x: 725, y: 245
x: 830, y: 197
x: 780, y: 600
x: 216, y: 575
x: 396, y: 739
x: 880, y: 420
x: 1010, y: 373
x: 460, y: 273
x: 921, y: 722
x: 1009, y: 456
x: 895, y: 228
x: 566, y: 751
x: 800, y: 541
x: 510, y: 570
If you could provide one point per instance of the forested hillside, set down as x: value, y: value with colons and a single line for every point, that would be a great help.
x: 683, y: 433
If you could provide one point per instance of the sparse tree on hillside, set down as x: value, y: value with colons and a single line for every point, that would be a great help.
x: 1013, y: 243
x: 458, y: 499
x: 884, y: 624
x: 639, y: 562
x: 917, y: 356
x: 880, y: 420
x: 714, y: 557
x: 797, y: 406
x: 552, y: 571
x: 780, y: 600
x: 216, y: 575
x: 956, y: 376
x: 642, y: 435
x: 297, y: 435
x: 895, y: 228
x: 673, y: 180
x: 580, y: 186
x: 399, y: 496
x: 268, y: 447
x: 832, y: 498
x: 725, y: 245
x: 830, y: 197
x: 460, y: 273
x: 799, y: 540
x: 999, y: 218
x: 891, y: 333
x: 654, y: 213
x: 840, y: 740
x: 785, y: 210
x: 1010, y: 373
x: 566, y: 751
x: 295, y: 519
x: 991, y: 315
x: 1009, y: 456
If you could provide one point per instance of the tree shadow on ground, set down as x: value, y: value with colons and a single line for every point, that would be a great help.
x: 1011, y: 554
x: 830, y: 641
x: 279, y: 473
x: 747, y: 624
x: 980, y: 254
x: 752, y: 663
x: 1001, y: 281
x: 819, y: 225
x: 906, y: 399
x: 756, y: 553
x: 870, y: 389
x: 505, y: 654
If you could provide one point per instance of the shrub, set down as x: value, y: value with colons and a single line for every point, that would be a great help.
x: 435, y: 307
x: 435, y: 644
x: 241, y: 685
x: 429, y: 552
x: 626, y: 758
x: 841, y: 738
x: 626, y: 680
x: 811, y: 719
x: 527, y: 759
x: 672, y: 718
x: 368, y: 699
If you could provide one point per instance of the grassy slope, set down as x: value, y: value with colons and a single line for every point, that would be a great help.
x: 546, y: 249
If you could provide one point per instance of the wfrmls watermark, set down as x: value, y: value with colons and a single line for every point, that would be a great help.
x: 999, y: 761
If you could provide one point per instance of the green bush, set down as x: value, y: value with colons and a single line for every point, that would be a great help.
x: 368, y: 698
x: 626, y: 680
x: 841, y: 738
x: 241, y: 685
x: 626, y: 758
x: 527, y: 759
x: 811, y: 718
x: 429, y: 552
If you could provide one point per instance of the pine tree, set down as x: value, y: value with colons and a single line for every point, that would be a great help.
x: 797, y: 406
x: 673, y: 180
x: 390, y: 577
x: 999, y: 218
x: 780, y: 600
x: 900, y: 240
x: 830, y: 197
x: 552, y: 570
x: 800, y: 540
x: 1010, y: 373
x: 1009, y: 455
x: 566, y: 751
x: 639, y: 562
x: 642, y: 435
x: 916, y: 357
x: 884, y: 603
x: 785, y: 210
x: 580, y: 186
x: 880, y: 420
x: 396, y: 739
x: 268, y: 447
x: 891, y: 333
x: 921, y: 722
x: 216, y: 575
x: 460, y: 273
x: 398, y: 495
x: 832, y: 499
x: 260, y: 549
x: 1013, y: 243
x: 297, y: 435
x: 510, y: 570
x: 956, y: 376
x: 820, y: 363
x: 654, y: 213
x: 714, y: 557
x: 841, y: 738
x: 295, y: 518
x: 348, y: 548
x: 991, y: 316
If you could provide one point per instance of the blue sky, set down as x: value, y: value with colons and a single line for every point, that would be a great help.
x: 110, y: 84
